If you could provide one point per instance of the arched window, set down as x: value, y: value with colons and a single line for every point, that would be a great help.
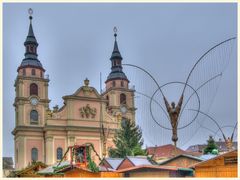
x: 122, y: 84
x: 41, y: 74
x: 123, y: 99
x: 24, y: 72
x: 107, y: 104
x: 118, y: 62
x: 34, y: 154
x: 59, y: 153
x: 32, y: 49
x: 33, y: 89
x: 33, y: 117
x: 33, y: 72
x: 124, y: 122
x: 113, y: 83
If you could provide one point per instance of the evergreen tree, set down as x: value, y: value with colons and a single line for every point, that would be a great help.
x: 211, y: 146
x: 128, y: 141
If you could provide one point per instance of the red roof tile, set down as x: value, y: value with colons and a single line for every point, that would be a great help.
x: 165, y: 151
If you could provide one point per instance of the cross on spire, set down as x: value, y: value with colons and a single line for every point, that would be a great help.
x: 116, y: 59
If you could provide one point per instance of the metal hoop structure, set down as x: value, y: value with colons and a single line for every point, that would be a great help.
x: 215, y: 122
x: 175, y: 82
x: 208, y: 117
x: 219, y: 75
x: 186, y: 84
x: 204, y: 56
x: 227, y: 126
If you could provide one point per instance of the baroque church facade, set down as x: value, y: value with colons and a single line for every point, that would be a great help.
x: 44, y: 134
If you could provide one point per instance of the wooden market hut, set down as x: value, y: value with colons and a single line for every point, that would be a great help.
x: 142, y: 166
x: 65, y: 169
x: 182, y: 160
x: 29, y: 171
x: 110, y: 164
x: 83, y: 172
x: 156, y: 171
x: 132, y: 161
x: 224, y: 165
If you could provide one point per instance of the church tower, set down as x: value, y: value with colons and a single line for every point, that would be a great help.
x: 30, y: 104
x: 118, y: 94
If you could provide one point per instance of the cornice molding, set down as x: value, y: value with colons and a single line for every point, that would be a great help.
x: 119, y: 89
x: 31, y: 78
x: 73, y: 97
x: 27, y: 128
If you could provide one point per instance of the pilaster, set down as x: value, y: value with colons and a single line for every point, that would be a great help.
x: 49, y: 150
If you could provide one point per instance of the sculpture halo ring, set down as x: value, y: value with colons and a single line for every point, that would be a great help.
x: 175, y: 82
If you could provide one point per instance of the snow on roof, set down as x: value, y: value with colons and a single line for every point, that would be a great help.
x: 114, y: 162
x: 137, y: 161
x: 207, y: 156
x: 50, y: 169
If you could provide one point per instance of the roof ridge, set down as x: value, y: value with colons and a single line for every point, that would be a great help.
x: 145, y: 157
x: 113, y: 158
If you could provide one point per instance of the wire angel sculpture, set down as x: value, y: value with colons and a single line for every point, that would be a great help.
x: 228, y: 140
x: 198, y: 92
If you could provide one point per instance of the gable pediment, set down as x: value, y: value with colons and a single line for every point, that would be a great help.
x: 86, y: 91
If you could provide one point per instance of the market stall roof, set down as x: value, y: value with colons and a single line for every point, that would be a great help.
x: 139, y: 160
x: 50, y: 169
x: 181, y: 155
x: 113, y: 162
x: 235, y: 151
x: 171, y: 168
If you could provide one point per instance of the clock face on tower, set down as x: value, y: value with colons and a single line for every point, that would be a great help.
x: 123, y: 109
x: 34, y: 101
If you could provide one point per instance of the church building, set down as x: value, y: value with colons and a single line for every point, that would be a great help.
x: 87, y: 116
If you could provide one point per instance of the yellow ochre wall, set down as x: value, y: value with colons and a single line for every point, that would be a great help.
x: 149, y: 174
x: 217, y: 168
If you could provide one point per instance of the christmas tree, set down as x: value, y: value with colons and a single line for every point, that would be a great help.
x: 211, y: 146
x: 128, y: 141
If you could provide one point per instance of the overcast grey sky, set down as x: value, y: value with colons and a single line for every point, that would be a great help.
x: 76, y: 41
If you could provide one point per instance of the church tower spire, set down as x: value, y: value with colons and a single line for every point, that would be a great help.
x: 31, y: 102
x: 115, y: 54
x: 116, y: 59
x: 119, y: 97
x: 31, y: 44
